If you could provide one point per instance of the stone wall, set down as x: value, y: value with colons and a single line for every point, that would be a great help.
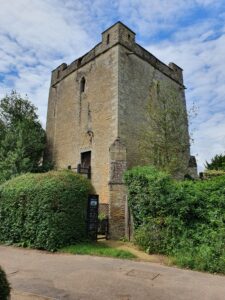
x: 85, y: 121
x: 192, y: 167
x: 118, y: 191
x: 136, y: 77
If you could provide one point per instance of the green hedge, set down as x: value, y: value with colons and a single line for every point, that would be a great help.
x: 183, y: 219
x: 4, y: 286
x: 44, y: 211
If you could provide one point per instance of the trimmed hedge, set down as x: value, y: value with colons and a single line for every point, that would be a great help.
x: 44, y: 211
x: 213, y: 173
x: 184, y: 219
x: 4, y: 286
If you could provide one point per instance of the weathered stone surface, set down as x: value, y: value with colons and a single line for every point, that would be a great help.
x: 79, y: 122
x: 118, y: 192
x: 192, y: 167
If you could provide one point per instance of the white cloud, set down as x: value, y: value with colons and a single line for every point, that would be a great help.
x: 38, y: 35
x: 151, y: 17
x: 35, y: 37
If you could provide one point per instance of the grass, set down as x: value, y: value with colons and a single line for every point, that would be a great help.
x: 200, y: 258
x: 97, y: 249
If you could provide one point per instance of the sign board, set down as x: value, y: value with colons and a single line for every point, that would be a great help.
x: 92, y: 217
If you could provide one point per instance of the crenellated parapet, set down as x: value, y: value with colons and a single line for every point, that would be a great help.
x: 118, y: 34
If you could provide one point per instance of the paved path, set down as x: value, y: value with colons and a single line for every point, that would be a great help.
x: 40, y: 275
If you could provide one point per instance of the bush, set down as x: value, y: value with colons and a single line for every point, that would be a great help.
x: 184, y: 219
x: 148, y: 193
x: 44, y: 211
x: 213, y: 173
x: 4, y: 286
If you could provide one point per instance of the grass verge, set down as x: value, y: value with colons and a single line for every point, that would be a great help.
x: 98, y: 249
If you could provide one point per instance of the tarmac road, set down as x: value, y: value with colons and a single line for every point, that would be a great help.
x: 39, y: 275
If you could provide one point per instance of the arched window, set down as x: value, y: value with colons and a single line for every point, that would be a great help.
x: 82, y: 85
x: 107, y: 41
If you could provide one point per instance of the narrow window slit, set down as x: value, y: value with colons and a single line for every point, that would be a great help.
x: 108, y: 38
x: 82, y: 85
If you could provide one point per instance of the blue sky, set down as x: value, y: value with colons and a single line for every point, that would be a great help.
x: 38, y: 35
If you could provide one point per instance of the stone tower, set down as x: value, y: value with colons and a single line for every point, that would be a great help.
x: 95, y: 106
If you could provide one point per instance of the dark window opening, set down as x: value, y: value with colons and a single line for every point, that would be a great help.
x: 82, y: 85
x: 108, y: 36
x: 86, y: 159
x: 79, y: 61
x: 58, y: 73
x: 128, y: 36
x: 85, y: 166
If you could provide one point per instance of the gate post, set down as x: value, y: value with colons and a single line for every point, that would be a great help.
x: 117, y: 190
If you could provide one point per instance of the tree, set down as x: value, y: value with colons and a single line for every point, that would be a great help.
x: 164, y: 137
x: 22, y: 138
x: 217, y: 163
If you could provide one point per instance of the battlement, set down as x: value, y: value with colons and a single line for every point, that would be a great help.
x: 118, y: 34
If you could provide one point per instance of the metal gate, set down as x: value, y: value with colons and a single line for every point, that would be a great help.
x: 97, y: 219
x: 103, y: 221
